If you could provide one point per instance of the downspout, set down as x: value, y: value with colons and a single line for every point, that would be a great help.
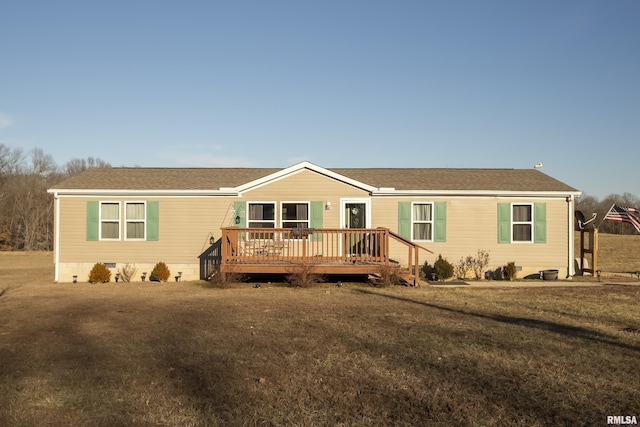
x: 56, y: 244
x: 570, y: 236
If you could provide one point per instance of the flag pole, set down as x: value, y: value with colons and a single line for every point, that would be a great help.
x: 605, y: 215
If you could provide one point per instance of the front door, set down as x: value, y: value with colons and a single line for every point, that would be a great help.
x: 355, y: 215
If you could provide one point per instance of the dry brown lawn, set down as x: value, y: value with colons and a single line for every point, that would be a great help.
x: 192, y: 354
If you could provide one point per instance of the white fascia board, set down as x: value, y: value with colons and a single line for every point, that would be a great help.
x: 476, y: 193
x: 102, y: 192
x: 298, y: 168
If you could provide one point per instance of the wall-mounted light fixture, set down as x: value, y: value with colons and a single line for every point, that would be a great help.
x: 179, y: 276
x: 75, y: 279
x: 598, y: 273
x: 144, y: 276
x: 211, y: 240
x: 117, y: 277
x: 327, y: 205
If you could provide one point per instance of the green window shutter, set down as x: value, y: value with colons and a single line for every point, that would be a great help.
x: 404, y: 219
x: 504, y: 222
x: 540, y: 223
x: 93, y: 220
x: 240, y: 218
x: 153, y: 220
x: 440, y: 222
x: 317, y: 218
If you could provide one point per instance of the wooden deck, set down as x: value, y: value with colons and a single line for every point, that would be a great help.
x: 324, y: 251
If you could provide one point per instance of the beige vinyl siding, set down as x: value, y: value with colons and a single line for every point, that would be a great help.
x: 184, y: 228
x: 307, y: 186
x: 472, y: 225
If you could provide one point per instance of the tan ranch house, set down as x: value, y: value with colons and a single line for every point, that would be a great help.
x: 343, y: 221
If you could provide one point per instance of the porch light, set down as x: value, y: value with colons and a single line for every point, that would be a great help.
x: 144, y: 276
x: 327, y: 206
x: 75, y: 279
x: 211, y: 240
x: 179, y: 276
x: 117, y: 277
x: 598, y: 273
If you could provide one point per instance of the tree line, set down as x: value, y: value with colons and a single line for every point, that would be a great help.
x: 26, y: 209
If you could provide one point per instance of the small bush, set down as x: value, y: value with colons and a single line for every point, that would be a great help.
x: 464, y: 266
x: 443, y: 268
x: 127, y: 272
x: 224, y: 280
x: 509, y: 271
x: 480, y: 263
x: 389, y: 276
x: 160, y: 272
x: 99, y: 273
x: 303, y: 276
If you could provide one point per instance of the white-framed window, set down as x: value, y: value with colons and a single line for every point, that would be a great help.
x: 109, y: 220
x: 261, y: 215
x: 522, y: 222
x: 422, y: 221
x: 135, y: 218
x: 295, y: 214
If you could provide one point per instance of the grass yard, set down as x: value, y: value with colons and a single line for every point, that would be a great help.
x: 189, y: 354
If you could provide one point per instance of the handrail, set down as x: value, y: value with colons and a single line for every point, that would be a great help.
x: 314, y: 246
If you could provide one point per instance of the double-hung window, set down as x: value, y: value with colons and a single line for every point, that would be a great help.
x: 295, y: 214
x: 109, y: 220
x: 261, y: 215
x: 522, y: 222
x: 422, y: 221
x: 135, y: 220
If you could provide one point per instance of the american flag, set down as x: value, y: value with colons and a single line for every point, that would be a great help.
x: 620, y: 214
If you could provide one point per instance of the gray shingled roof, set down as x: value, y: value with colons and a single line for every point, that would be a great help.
x: 529, y: 180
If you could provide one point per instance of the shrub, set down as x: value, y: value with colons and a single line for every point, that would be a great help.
x: 99, y: 273
x: 443, y: 268
x: 127, y: 272
x: 463, y: 267
x: 389, y: 276
x: 480, y: 263
x: 160, y: 272
x: 224, y: 280
x: 509, y: 271
x: 302, y: 275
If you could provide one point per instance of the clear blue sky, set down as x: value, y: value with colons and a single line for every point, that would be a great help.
x: 339, y: 83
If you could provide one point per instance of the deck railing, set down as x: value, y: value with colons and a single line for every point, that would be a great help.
x: 304, y: 244
x: 269, y: 246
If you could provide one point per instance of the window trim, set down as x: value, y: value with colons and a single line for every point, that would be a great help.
x: 100, y: 220
x: 431, y: 221
x: 531, y: 223
x: 296, y: 202
x: 144, y: 221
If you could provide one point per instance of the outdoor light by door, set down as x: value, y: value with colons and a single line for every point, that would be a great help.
x: 75, y: 279
x: 598, y: 272
x: 117, y: 277
x: 144, y: 276
x: 211, y: 240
